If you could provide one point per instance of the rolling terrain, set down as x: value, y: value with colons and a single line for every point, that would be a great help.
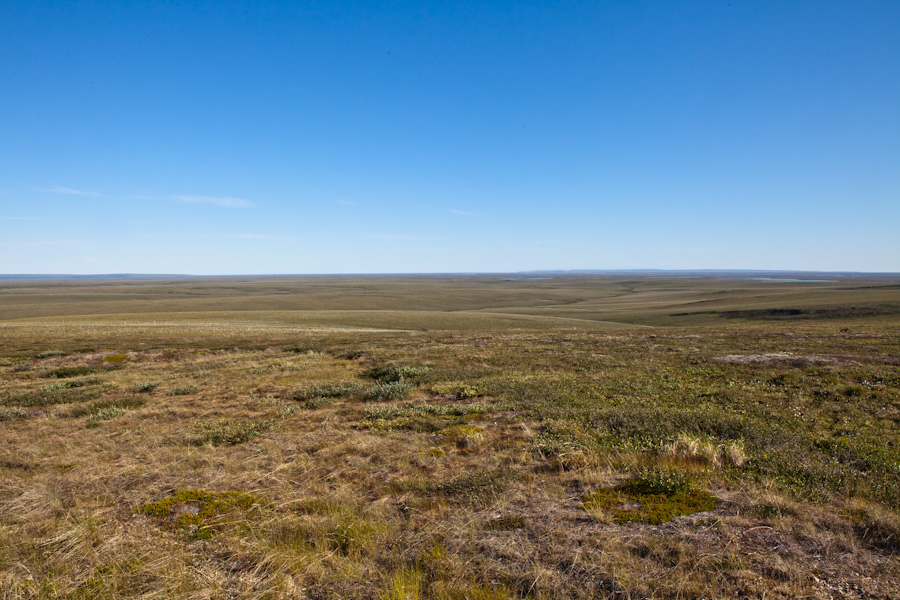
x: 451, y: 437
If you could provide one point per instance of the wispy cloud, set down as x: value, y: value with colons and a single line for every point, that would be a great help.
x: 404, y: 237
x: 58, y: 189
x: 460, y: 212
x: 250, y: 236
x: 347, y: 202
x: 40, y: 244
x: 226, y: 201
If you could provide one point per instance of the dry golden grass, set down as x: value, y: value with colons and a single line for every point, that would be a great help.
x: 472, y: 486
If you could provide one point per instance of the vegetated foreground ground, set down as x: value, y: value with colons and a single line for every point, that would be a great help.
x: 745, y: 445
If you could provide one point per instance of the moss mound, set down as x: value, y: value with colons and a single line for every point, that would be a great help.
x: 200, y: 513
x: 652, y: 499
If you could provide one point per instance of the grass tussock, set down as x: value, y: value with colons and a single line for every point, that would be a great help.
x: 693, y: 449
x: 230, y: 432
x: 103, y: 409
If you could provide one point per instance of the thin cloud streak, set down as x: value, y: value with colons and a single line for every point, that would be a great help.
x: 460, y: 212
x: 40, y: 244
x: 58, y: 189
x: 224, y: 201
x: 250, y: 236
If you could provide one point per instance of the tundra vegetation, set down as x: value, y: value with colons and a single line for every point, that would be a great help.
x: 450, y: 438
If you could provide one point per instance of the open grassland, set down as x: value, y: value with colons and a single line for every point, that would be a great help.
x: 647, y: 300
x: 450, y: 438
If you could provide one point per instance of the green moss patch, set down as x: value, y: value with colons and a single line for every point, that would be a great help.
x: 114, y: 358
x: 200, y: 513
x: 456, y: 389
x: 649, y: 499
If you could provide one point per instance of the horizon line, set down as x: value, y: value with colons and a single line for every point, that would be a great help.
x: 559, y: 272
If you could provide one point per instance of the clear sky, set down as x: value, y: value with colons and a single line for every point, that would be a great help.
x: 365, y: 137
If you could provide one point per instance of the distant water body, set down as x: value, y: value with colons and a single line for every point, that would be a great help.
x: 784, y: 279
x: 775, y: 279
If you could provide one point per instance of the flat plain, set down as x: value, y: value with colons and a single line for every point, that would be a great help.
x: 450, y: 437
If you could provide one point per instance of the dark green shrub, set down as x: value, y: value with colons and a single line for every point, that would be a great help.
x: 66, y: 372
x: 145, y: 387
x: 183, y: 390
x: 228, y: 432
x: 328, y: 390
x: 395, y: 373
x: 64, y: 392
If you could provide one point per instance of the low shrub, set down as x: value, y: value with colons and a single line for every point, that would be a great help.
x: 8, y: 414
x: 105, y: 414
x: 66, y: 372
x: 183, y: 390
x: 105, y: 407
x: 328, y: 390
x: 67, y: 392
x: 228, y: 432
x: 396, y: 373
x: 144, y: 388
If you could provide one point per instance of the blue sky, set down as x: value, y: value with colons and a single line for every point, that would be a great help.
x: 366, y: 137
